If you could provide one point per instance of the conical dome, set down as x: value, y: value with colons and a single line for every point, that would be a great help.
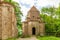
x: 33, y: 9
x: 33, y: 14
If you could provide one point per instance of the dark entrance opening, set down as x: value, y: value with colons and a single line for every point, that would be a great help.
x: 33, y: 31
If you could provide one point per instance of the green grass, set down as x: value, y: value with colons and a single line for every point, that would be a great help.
x: 48, y: 38
x: 11, y: 39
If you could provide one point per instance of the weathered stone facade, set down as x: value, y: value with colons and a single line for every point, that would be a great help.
x: 33, y: 24
x: 8, y: 25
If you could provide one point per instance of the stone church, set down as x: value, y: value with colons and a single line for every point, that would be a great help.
x: 33, y: 25
x: 8, y: 27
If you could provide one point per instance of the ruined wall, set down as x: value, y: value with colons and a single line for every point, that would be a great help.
x: 25, y: 28
x: 7, y: 21
x: 42, y: 29
x: 0, y: 23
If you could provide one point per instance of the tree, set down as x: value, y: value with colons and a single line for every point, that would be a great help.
x: 58, y: 22
x: 58, y: 11
x: 50, y: 21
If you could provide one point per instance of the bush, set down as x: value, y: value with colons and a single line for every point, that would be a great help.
x: 19, y: 31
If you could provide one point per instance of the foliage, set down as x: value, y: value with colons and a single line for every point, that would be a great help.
x: 49, y: 27
x: 51, y: 17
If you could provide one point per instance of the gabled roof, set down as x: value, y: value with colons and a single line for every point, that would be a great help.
x: 33, y: 9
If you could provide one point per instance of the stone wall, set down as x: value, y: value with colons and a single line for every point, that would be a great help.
x: 42, y: 29
x: 0, y: 23
x: 8, y: 27
x: 25, y: 29
x: 34, y: 24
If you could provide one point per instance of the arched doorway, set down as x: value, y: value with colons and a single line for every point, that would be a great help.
x: 33, y: 31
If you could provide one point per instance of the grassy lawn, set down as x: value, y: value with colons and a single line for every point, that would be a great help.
x: 11, y: 39
x: 48, y: 38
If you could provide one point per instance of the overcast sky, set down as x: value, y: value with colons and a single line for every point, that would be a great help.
x: 27, y: 4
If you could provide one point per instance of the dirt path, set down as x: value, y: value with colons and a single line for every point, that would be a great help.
x: 31, y: 38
